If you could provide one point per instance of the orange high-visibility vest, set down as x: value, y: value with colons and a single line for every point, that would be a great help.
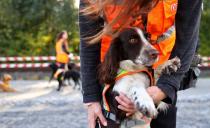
x: 61, y: 56
x: 160, y: 27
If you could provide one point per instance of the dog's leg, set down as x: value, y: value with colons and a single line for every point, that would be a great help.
x: 74, y: 83
x: 60, y: 82
x: 162, y: 106
x: 7, y: 89
x: 51, y: 77
x: 143, y: 101
x: 59, y: 86
x: 170, y: 66
x: 69, y: 82
x: 77, y: 83
x: 10, y: 90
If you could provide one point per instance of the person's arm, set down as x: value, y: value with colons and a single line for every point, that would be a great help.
x: 187, y: 35
x: 90, y: 57
x: 65, y: 47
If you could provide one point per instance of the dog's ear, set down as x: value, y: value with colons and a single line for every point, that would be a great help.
x: 109, y: 67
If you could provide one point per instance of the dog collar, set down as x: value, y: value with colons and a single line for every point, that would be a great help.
x: 122, y: 73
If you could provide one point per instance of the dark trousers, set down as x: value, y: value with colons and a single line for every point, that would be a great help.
x: 165, y: 120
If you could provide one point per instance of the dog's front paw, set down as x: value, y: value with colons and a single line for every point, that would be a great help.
x: 162, y: 106
x: 171, y: 66
x: 144, y: 104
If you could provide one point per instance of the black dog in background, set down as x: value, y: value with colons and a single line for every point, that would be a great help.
x: 71, y: 74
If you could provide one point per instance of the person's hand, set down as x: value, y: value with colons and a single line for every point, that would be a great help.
x: 125, y: 104
x: 94, y: 112
x: 156, y: 93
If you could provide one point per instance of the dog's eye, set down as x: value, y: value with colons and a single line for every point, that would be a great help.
x: 133, y: 40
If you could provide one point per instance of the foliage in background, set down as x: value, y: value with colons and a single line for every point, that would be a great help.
x: 29, y: 27
x: 205, y: 30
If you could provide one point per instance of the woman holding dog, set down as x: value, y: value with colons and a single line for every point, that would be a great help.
x: 102, y: 20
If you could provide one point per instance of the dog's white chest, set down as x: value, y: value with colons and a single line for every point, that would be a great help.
x: 126, y: 83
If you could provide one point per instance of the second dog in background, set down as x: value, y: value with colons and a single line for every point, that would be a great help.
x: 5, y: 84
x: 72, y: 74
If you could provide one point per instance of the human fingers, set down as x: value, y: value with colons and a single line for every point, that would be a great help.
x: 125, y: 103
x: 127, y: 110
x: 91, y: 119
x: 102, y: 118
x: 126, y: 99
x: 156, y: 94
x: 129, y: 114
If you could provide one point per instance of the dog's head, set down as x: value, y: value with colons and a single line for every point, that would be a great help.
x: 129, y: 45
x: 7, y: 77
x: 135, y: 47
x: 71, y: 66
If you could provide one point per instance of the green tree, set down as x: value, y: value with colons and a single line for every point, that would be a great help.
x: 205, y: 30
x: 29, y: 27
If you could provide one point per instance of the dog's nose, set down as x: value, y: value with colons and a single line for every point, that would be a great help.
x: 153, y: 54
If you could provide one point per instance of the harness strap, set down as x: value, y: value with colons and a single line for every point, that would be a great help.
x: 110, y: 116
x: 105, y: 103
x: 124, y: 73
x: 128, y: 123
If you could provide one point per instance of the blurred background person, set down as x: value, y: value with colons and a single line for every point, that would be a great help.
x: 62, y: 53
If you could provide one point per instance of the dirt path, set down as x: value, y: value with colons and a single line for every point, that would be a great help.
x: 38, y: 105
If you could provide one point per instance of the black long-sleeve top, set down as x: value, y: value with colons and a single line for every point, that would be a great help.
x: 187, y: 32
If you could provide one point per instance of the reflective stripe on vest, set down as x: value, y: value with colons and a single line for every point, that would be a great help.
x: 166, y: 35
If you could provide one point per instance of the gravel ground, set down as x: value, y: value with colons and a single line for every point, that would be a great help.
x: 38, y: 105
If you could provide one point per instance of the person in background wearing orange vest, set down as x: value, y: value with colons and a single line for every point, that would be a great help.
x: 62, y: 58
x: 100, y: 21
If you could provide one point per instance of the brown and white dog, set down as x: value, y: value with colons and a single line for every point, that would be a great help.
x: 131, y: 51
x: 5, y: 84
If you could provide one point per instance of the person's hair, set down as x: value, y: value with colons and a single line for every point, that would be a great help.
x: 60, y: 35
x: 131, y: 9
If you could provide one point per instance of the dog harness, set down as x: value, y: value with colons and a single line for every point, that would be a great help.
x: 106, y: 108
x: 158, y: 26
